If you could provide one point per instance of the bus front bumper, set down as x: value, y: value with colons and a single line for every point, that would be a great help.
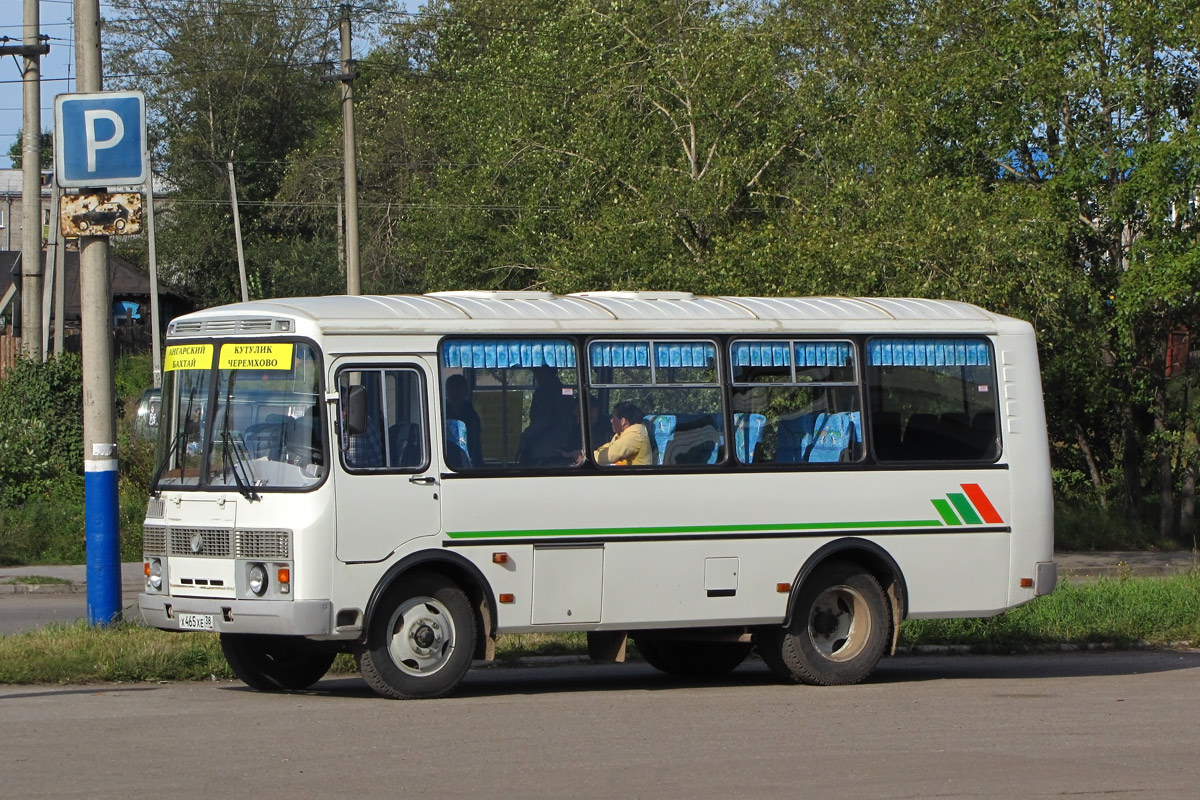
x: 282, y: 617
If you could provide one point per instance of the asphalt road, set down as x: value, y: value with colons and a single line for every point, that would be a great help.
x: 1062, y: 725
x: 24, y: 612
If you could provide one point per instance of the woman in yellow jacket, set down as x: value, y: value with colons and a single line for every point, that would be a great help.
x: 630, y: 443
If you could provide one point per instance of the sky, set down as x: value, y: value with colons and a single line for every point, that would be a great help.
x: 58, y: 68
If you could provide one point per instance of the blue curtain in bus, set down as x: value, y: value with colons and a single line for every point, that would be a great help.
x: 508, y: 353
x: 928, y: 353
x: 666, y: 354
x: 684, y: 354
x: 779, y: 354
x: 619, y: 354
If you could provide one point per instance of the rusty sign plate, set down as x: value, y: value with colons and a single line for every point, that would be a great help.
x: 101, y: 214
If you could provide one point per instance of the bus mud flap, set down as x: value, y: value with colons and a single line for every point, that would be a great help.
x: 607, y: 647
x: 897, y: 617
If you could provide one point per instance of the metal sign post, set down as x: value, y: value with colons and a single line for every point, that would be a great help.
x: 99, y: 143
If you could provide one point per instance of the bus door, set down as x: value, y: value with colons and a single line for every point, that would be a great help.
x: 386, y: 482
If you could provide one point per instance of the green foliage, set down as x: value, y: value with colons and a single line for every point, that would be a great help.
x: 231, y: 82
x: 41, y: 429
x: 41, y: 461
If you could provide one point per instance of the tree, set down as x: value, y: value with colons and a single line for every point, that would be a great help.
x: 231, y: 81
x: 45, y: 154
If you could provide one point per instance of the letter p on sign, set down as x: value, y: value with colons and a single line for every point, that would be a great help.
x: 100, y: 140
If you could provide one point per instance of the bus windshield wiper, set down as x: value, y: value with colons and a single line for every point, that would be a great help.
x: 235, y: 460
x: 231, y: 458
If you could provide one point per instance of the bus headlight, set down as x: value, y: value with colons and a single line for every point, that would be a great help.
x: 154, y: 574
x: 258, y: 579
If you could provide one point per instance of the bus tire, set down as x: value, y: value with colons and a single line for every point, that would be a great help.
x: 697, y: 659
x: 275, y: 663
x: 420, y: 641
x: 839, y: 631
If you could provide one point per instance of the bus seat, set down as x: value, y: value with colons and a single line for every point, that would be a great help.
x: 456, y: 444
x: 398, y: 434
x: 662, y: 429
x: 983, y: 435
x: 794, y: 436
x: 747, y: 433
x: 955, y: 432
x: 833, y: 439
x: 695, y: 445
x: 885, y: 435
x: 920, y: 437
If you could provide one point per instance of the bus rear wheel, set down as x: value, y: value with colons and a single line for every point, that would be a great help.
x: 698, y: 659
x: 420, y: 640
x: 275, y: 663
x: 839, y: 629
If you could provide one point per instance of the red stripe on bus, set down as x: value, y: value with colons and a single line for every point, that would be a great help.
x: 984, y: 506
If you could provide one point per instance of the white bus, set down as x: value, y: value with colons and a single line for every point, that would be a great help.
x: 407, y: 478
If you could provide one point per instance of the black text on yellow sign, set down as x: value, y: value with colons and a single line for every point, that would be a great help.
x: 188, y: 356
x: 276, y: 355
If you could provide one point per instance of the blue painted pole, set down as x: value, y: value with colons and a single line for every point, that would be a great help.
x: 103, y: 538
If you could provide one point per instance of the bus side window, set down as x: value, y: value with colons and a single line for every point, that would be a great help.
x: 798, y: 401
x: 932, y: 399
x: 677, y: 384
x: 510, y: 403
x: 381, y: 421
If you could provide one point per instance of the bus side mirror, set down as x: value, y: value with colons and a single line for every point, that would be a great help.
x: 356, y: 410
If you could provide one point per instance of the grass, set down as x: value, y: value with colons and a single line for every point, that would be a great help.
x: 38, y: 580
x: 1121, y: 611
x: 1124, y: 612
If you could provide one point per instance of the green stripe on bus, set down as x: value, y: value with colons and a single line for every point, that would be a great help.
x: 784, y: 528
x: 948, y: 515
x: 965, y: 509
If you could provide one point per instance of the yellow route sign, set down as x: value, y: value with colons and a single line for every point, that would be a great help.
x: 277, y: 355
x: 188, y: 356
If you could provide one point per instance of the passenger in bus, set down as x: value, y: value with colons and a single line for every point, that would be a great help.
x: 600, y: 430
x: 630, y: 444
x: 458, y: 406
x: 553, y: 429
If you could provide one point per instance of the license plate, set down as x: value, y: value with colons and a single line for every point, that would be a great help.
x: 195, y: 622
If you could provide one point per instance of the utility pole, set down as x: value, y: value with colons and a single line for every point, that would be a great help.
x: 237, y: 229
x: 31, y: 199
x: 350, y: 168
x: 99, y: 425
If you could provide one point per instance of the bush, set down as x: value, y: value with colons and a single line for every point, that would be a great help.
x: 41, y: 461
x: 1092, y: 527
x: 41, y: 428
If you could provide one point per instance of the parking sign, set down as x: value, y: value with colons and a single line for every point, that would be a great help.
x: 100, y: 139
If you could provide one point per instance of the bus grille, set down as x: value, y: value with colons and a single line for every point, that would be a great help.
x: 160, y: 540
x: 154, y: 540
x: 214, y: 543
x: 264, y: 544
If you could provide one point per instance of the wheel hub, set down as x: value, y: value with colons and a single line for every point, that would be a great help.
x: 824, y: 622
x: 425, y: 635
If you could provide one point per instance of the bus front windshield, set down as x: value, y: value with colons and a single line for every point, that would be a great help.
x: 241, y: 416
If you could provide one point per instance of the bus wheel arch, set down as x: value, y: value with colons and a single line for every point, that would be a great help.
x: 844, y: 611
x: 452, y: 572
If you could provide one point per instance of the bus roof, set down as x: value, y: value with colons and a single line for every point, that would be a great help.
x: 606, y: 312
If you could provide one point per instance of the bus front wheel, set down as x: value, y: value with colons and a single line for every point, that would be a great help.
x: 839, y: 629
x: 275, y: 663
x: 420, y: 639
